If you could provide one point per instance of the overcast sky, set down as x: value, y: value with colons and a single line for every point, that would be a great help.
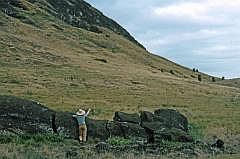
x: 204, y: 34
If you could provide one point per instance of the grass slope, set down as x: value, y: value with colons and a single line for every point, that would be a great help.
x: 231, y: 82
x: 66, y: 67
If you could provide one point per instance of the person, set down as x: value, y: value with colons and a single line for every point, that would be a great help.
x: 81, y: 116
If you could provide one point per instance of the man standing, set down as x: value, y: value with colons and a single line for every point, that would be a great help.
x: 81, y: 116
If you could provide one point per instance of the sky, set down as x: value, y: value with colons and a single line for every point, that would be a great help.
x: 203, y: 34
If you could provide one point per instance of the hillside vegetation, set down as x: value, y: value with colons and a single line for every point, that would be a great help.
x: 47, y: 58
x: 231, y: 82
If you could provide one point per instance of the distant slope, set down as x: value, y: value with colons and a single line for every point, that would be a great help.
x: 65, y: 66
x: 77, y: 13
x: 230, y: 82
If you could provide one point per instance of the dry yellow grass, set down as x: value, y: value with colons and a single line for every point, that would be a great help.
x: 64, y: 70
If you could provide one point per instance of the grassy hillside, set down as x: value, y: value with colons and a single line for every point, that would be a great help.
x: 231, y: 82
x: 46, y: 59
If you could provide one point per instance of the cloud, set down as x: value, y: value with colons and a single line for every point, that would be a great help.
x: 224, y: 52
x: 195, y: 33
x: 188, y: 10
x: 206, y: 11
x: 171, y: 39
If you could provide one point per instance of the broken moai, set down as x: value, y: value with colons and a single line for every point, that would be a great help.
x: 24, y: 116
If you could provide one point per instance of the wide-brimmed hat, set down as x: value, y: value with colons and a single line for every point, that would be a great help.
x: 80, y: 112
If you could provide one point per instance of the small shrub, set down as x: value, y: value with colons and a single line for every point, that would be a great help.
x: 213, y: 79
x: 29, y: 92
x: 14, y: 81
x: 171, y: 71
x: 223, y: 78
x: 115, y: 49
x: 95, y: 29
x: 4, y: 139
x: 57, y: 27
x: 194, y: 70
x: 199, y: 78
x: 101, y: 60
x: 47, y: 138
x: 73, y: 85
x: 97, y: 111
x: 55, y: 138
x: 166, y: 105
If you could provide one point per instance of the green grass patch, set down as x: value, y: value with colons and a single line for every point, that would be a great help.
x: 170, y: 146
x: 29, y: 92
x: 31, y: 139
x: 14, y: 81
x: 15, y: 153
x: 119, y: 141
x: 2, y: 49
x: 196, y: 131
x: 2, y: 63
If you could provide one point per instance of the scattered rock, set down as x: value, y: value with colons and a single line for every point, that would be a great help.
x: 67, y: 126
x: 114, y: 129
x: 24, y: 115
x: 15, y: 3
x: 165, y: 124
x: 218, y: 144
x: 57, y: 27
x: 172, y: 72
x: 146, y: 116
x: 127, y: 130
x: 101, y: 60
x: 153, y: 126
x: 125, y: 117
x: 136, y: 82
x: 172, y: 119
x: 132, y: 130
x: 97, y: 129
x: 95, y: 29
x: 172, y: 135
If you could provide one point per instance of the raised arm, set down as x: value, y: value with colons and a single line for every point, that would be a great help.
x: 74, y: 116
x: 87, y: 112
